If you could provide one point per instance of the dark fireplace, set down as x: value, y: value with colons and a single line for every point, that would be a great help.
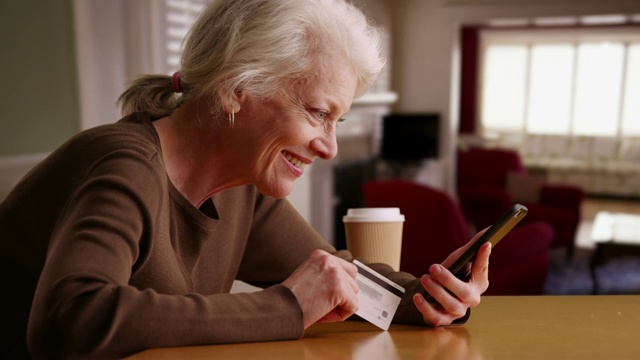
x: 347, y: 184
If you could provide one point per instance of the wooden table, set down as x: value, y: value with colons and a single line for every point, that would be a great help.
x: 501, y: 327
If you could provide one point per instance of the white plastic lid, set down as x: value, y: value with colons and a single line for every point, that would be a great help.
x: 373, y: 215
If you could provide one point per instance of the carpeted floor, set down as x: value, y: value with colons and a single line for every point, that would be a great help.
x: 573, y: 277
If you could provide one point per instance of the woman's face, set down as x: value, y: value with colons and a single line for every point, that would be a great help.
x: 286, y: 133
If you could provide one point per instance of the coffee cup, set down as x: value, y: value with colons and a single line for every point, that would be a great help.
x: 374, y: 235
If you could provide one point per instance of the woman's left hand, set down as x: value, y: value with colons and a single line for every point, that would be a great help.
x: 453, y: 296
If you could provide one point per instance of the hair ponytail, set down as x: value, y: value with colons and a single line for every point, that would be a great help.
x: 153, y: 94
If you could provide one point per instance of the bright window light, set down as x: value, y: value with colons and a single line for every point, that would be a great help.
x: 179, y: 16
x: 504, y: 87
x: 556, y: 21
x: 631, y: 107
x: 551, y: 89
x: 598, y: 87
x: 604, y: 19
x: 508, y: 22
x: 561, y: 82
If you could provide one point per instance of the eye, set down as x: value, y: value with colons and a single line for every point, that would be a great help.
x: 321, y: 114
x: 323, y: 117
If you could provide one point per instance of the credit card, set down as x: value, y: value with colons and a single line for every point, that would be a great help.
x: 378, y: 298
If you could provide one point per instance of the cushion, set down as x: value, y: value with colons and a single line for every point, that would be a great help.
x: 525, y: 188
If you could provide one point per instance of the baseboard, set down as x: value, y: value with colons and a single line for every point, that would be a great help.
x: 13, y: 168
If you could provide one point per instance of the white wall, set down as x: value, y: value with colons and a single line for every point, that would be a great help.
x: 425, y: 50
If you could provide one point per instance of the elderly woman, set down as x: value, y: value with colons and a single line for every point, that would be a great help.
x: 130, y: 235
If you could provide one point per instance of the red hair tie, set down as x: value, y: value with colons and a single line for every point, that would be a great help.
x: 175, y: 82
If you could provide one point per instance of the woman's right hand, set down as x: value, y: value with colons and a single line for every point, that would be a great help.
x: 326, y: 289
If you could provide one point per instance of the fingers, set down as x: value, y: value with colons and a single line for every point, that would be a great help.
x: 325, y: 288
x: 431, y: 312
x: 346, y: 289
x: 350, y: 268
x: 342, y: 268
x: 454, y: 255
x: 452, y: 296
x: 480, y: 268
x: 352, y: 271
x: 426, y: 309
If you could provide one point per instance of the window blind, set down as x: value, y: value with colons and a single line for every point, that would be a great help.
x: 179, y: 15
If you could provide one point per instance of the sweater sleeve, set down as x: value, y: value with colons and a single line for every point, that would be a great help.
x: 280, y: 240
x: 84, y: 305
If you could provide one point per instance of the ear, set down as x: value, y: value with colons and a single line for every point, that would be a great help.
x: 232, y: 101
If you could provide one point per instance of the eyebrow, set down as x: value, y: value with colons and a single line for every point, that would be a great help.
x: 333, y: 105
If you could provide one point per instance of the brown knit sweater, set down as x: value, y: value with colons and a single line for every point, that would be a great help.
x: 109, y: 258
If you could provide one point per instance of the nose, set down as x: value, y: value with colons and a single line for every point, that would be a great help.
x: 326, y: 145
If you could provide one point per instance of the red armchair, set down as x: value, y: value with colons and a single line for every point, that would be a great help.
x: 489, y: 181
x: 435, y: 226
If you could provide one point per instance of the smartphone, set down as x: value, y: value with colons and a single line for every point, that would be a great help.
x: 494, y: 234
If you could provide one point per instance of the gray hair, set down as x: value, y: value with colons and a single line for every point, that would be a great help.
x: 256, y: 46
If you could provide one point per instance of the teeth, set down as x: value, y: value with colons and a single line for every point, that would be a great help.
x: 294, y: 161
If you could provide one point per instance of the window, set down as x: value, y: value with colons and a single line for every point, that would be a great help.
x: 152, y: 31
x: 576, y: 82
x: 505, y: 78
x: 550, y: 88
x: 631, y: 100
x: 179, y: 16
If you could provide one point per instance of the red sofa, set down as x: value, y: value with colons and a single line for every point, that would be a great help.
x: 435, y: 226
x: 489, y: 181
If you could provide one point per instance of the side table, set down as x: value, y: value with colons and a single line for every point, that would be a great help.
x: 615, y: 235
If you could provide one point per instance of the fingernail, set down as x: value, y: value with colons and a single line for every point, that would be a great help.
x: 436, y: 269
x: 418, y: 299
x: 425, y: 279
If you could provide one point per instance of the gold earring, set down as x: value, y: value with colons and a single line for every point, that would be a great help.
x: 232, y: 119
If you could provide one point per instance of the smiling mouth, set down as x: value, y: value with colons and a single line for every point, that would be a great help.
x: 294, y: 160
